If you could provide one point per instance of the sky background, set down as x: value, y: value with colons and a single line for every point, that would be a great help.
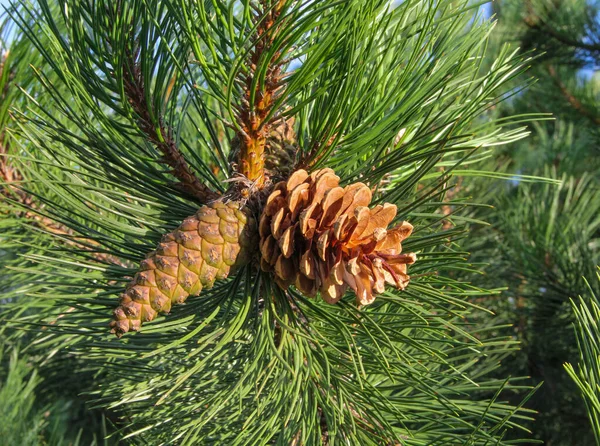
x: 6, y: 2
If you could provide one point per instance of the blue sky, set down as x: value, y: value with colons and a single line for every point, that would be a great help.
x: 6, y: 2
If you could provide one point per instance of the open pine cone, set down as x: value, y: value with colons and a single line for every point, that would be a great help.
x: 319, y: 236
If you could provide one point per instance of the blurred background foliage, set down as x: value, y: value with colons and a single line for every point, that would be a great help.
x: 540, y: 243
x: 544, y: 240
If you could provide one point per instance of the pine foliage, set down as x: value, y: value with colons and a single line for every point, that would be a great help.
x: 543, y: 238
x: 26, y: 420
x: 587, y: 374
x: 133, y: 120
x: 19, y: 424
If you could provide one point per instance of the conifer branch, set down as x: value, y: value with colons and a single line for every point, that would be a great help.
x: 162, y: 134
x: 10, y: 178
x: 536, y: 23
x: 328, y: 373
x: 571, y: 98
x: 257, y: 103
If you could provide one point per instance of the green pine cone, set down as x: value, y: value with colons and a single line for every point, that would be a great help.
x: 205, y: 248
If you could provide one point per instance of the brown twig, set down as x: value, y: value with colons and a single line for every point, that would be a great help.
x: 9, y: 176
x: 161, y: 135
x: 258, y: 102
x: 570, y: 97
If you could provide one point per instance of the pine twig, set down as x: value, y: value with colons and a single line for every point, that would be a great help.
x: 257, y: 105
x: 571, y: 98
x: 33, y: 214
x: 162, y: 135
x: 10, y: 177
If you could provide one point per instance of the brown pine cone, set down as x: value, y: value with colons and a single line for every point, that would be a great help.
x: 321, y: 237
x: 203, y: 249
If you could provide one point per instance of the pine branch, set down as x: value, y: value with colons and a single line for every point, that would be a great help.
x: 571, y: 98
x: 538, y: 24
x: 9, y: 175
x: 10, y: 179
x: 255, y: 115
x: 235, y: 357
x: 162, y: 135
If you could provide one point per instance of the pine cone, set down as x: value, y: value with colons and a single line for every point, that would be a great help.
x: 203, y: 249
x: 321, y: 237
